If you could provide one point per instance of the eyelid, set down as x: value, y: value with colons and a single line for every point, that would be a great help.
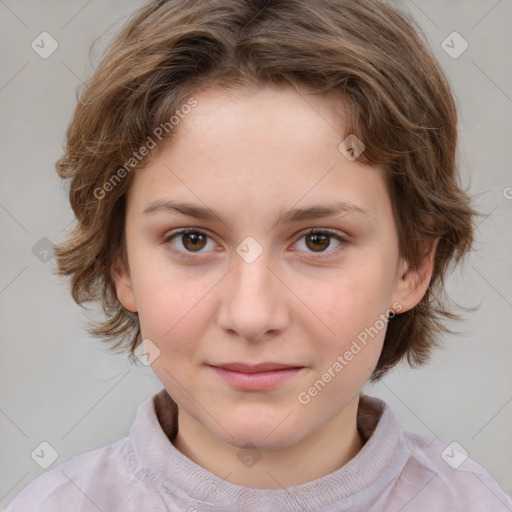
x: 342, y: 238
x: 183, y: 231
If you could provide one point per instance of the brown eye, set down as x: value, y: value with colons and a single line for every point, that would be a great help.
x: 187, y: 241
x: 193, y: 241
x: 318, y: 242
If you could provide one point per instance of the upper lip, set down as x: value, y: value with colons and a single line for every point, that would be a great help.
x: 254, y: 368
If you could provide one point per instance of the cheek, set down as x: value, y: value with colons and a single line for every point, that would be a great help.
x: 171, y: 301
x: 353, y: 305
x: 356, y: 299
x: 355, y: 312
x: 172, y: 317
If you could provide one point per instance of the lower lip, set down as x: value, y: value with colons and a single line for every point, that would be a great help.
x: 256, y: 381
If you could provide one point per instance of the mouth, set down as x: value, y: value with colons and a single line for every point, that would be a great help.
x: 255, y: 377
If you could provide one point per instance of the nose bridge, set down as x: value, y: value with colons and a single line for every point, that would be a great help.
x: 251, y: 271
x: 252, y: 304
x: 252, y: 277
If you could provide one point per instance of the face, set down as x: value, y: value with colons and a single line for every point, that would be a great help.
x: 260, y: 310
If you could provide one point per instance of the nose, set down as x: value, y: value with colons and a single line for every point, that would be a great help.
x: 255, y: 302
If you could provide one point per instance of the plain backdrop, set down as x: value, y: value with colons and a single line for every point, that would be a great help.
x: 60, y: 386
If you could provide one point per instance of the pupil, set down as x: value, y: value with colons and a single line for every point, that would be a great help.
x: 322, y: 239
x: 196, y: 240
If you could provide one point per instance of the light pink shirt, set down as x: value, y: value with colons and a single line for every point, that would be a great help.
x: 144, y: 472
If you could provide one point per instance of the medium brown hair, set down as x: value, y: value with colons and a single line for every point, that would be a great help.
x: 398, y: 100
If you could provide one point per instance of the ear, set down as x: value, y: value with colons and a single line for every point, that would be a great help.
x: 124, y: 288
x: 412, y: 283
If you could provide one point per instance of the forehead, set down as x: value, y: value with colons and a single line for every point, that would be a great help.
x: 270, y: 114
x: 257, y: 148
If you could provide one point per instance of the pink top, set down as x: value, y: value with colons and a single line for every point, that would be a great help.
x: 394, y: 471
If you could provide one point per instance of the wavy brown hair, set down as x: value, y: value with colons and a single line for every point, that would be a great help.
x: 374, y: 56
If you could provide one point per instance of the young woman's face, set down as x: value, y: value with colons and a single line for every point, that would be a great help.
x: 250, y: 284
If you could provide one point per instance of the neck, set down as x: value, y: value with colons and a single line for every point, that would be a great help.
x: 315, y: 456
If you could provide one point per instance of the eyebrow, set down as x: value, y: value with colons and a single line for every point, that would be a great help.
x: 330, y: 209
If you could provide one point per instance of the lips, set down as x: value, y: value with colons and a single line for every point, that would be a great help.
x: 255, y: 377
x: 254, y: 368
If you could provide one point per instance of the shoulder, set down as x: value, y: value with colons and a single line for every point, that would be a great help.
x: 96, y: 480
x: 444, y: 476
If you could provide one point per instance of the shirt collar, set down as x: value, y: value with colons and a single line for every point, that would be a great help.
x: 382, y: 456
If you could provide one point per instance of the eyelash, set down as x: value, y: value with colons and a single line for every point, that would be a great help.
x: 314, y: 231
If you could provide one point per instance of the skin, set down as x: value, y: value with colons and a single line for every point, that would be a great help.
x: 248, y: 155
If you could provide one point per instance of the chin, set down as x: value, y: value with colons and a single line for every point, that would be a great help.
x: 264, y: 433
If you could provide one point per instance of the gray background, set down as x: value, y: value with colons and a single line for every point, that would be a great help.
x: 60, y: 386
